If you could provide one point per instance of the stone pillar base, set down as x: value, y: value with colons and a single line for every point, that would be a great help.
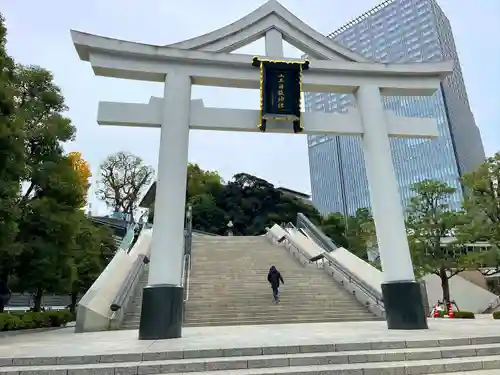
x: 404, y: 307
x: 161, y: 315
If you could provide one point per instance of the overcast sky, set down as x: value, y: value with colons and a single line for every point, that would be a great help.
x: 39, y: 34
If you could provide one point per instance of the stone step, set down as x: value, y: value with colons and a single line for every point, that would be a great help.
x: 224, y: 253
x: 221, y: 314
x: 262, y: 296
x: 213, y: 322
x: 256, y: 322
x: 274, y: 318
x: 419, y: 349
x: 234, y: 309
x: 237, y: 306
x: 245, y: 266
x: 220, y: 323
x: 293, y: 286
x: 248, y: 270
x: 269, y: 305
x: 241, y: 275
x: 348, y: 358
x: 474, y: 372
x: 228, y: 255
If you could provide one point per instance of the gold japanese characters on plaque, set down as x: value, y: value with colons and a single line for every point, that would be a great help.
x: 280, y: 91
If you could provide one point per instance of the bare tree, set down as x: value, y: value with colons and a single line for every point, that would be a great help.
x: 123, y: 177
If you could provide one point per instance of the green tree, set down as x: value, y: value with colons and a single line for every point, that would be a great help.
x: 482, y: 205
x: 429, y: 220
x: 54, y: 193
x: 355, y: 233
x: 11, y: 161
x: 250, y: 202
x: 253, y: 204
x: 360, y: 232
x: 207, y: 216
x: 201, y: 182
x: 48, y: 229
x: 123, y: 178
x: 334, y: 226
x: 41, y: 106
x: 93, y: 249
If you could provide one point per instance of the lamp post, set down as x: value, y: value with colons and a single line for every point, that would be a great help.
x: 230, y: 228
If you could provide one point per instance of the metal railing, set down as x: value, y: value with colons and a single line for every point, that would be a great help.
x: 186, y: 276
x: 325, y: 242
x: 126, y: 289
x: 200, y: 232
x: 188, y: 241
x: 128, y: 238
x: 492, y: 306
x: 317, y: 234
x: 302, y: 257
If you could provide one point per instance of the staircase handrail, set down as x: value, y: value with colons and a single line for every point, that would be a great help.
x: 188, y: 241
x: 186, y: 276
x: 328, y: 245
x: 126, y: 288
x: 295, y: 245
x: 325, y: 241
x: 204, y: 233
x: 128, y: 238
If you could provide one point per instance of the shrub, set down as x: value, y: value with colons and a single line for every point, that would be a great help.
x: 464, y: 315
x: 496, y: 315
x: 459, y: 315
x: 29, y: 320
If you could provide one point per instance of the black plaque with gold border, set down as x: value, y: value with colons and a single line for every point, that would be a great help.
x: 280, y: 91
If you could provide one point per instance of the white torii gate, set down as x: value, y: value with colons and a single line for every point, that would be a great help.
x: 206, y: 60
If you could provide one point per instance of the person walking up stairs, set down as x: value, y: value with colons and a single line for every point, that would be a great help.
x: 274, y: 277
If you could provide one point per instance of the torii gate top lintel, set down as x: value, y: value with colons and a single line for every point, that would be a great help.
x: 271, y: 15
x: 254, y: 25
x: 130, y: 60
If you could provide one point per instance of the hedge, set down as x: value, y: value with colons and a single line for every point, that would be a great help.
x: 459, y: 315
x: 496, y: 315
x: 29, y: 320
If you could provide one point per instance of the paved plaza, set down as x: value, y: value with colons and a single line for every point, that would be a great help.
x: 65, y: 342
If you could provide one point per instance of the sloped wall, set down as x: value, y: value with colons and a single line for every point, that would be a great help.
x: 466, y: 294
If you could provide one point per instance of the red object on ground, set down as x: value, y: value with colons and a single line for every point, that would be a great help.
x: 436, y: 312
x: 450, y: 311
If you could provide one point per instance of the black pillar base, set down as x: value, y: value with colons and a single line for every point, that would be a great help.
x: 161, y: 314
x: 404, y: 306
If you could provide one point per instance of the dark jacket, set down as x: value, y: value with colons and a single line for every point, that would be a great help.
x: 274, y: 277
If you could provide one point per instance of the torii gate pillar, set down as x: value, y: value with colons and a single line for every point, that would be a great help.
x: 206, y: 60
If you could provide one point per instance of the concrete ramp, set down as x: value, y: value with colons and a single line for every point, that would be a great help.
x: 94, y: 309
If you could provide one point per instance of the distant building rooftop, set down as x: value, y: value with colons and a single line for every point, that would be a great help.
x: 295, y: 193
x: 118, y: 226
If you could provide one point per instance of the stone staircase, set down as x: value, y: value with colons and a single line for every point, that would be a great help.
x: 133, y: 312
x: 228, y: 286
x: 474, y: 356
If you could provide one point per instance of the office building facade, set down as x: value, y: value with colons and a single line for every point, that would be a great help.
x: 397, y: 31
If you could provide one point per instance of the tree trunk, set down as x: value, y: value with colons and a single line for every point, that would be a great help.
x: 37, y: 307
x: 4, y: 291
x: 445, y: 284
x: 72, y: 306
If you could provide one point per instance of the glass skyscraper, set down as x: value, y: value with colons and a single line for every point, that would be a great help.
x: 397, y: 31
